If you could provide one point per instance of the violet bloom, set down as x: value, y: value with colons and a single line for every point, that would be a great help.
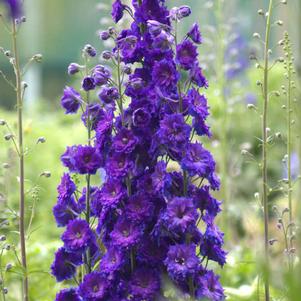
x: 65, y: 211
x: 186, y: 54
x: 88, y: 83
x: 117, y: 10
x: 163, y: 41
x: 209, y: 287
x: 118, y: 165
x: 182, y: 261
x: 71, y: 100
x: 194, y: 34
x: 139, y: 207
x: 112, y: 261
x: 66, y: 188
x: 197, y: 104
x: 82, y: 159
x: 127, y: 46
x: 77, y: 236
x: 144, y: 284
x: 108, y: 95
x: 141, y: 118
x: 15, y: 8
x: 101, y: 75
x: 64, y: 264
x: 112, y: 193
x: 124, y: 141
x: 68, y: 294
x: 198, y: 161
x: 180, y: 214
x: 93, y: 114
x: 161, y: 180
x: 125, y: 233
x: 94, y: 287
x: 174, y: 131
x: 197, y: 77
x: 165, y: 73
x: 211, y: 244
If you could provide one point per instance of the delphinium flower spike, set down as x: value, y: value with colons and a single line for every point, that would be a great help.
x: 141, y: 225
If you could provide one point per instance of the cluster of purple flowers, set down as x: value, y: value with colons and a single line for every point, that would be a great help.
x: 143, y: 224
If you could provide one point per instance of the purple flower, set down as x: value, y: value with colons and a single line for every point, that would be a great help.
x: 15, y: 7
x: 77, y: 236
x: 128, y: 46
x: 112, y: 261
x: 211, y: 245
x: 184, y: 11
x: 82, y: 159
x: 95, y: 287
x: 194, y: 34
x: 101, y: 75
x: 112, y: 193
x: 197, y: 104
x: 71, y: 100
x: 161, y: 180
x: 88, y: 83
x: 68, y: 294
x: 124, y: 141
x: 117, y: 10
x: 197, y: 77
x: 125, y: 233
x: 65, y: 211
x: 180, y: 214
x: 198, y: 161
x: 186, y: 54
x: 174, y: 132
x: 66, y: 188
x: 165, y: 73
x: 108, y: 94
x: 118, y: 165
x: 144, y: 284
x: 93, y: 114
x: 209, y: 287
x: 64, y: 264
x: 182, y: 261
x: 139, y: 208
x: 163, y: 41
x: 141, y: 118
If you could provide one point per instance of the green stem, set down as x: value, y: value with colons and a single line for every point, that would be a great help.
x: 17, y: 70
x: 264, y: 152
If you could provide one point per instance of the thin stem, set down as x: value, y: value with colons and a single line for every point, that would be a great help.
x: 264, y: 152
x: 120, y: 104
x: 17, y: 70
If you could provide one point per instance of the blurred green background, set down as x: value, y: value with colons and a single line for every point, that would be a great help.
x: 59, y: 30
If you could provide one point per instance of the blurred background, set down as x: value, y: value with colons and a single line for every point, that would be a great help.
x: 59, y: 30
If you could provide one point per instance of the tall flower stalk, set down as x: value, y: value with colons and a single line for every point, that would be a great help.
x: 15, y: 10
x: 266, y: 95
x: 144, y: 122
x: 19, y: 92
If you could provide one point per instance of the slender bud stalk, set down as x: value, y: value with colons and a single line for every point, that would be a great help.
x: 264, y: 150
x: 18, y: 76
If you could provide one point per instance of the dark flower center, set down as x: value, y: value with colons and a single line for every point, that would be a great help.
x: 180, y: 260
x: 125, y: 140
x: 125, y: 233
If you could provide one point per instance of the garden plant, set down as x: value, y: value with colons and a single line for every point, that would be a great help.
x: 167, y: 169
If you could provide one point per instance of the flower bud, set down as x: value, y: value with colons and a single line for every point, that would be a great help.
x: 73, y: 68
x: 104, y: 35
x: 41, y: 140
x: 46, y: 174
x: 88, y: 83
x: 106, y: 55
x: 127, y: 70
x: 90, y: 50
x: 8, y: 267
x: 184, y: 11
x: 37, y: 58
x: 2, y: 122
x: 8, y: 137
